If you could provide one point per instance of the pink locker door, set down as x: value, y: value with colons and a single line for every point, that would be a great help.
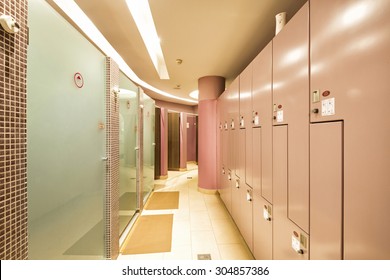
x: 291, y: 99
x: 326, y: 191
x: 262, y: 107
x: 262, y: 228
x: 246, y: 214
x: 350, y: 45
x: 246, y: 119
x: 236, y: 208
x: 284, y: 230
x: 262, y: 225
x: 234, y: 120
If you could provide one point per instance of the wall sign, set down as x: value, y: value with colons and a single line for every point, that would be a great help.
x: 78, y: 80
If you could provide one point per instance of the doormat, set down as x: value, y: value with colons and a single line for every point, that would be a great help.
x: 163, y: 200
x: 150, y: 234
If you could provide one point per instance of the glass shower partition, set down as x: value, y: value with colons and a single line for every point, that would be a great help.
x: 66, y: 140
x: 128, y: 135
x: 148, y: 144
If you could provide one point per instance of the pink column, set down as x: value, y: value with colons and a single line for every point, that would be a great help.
x: 210, y: 87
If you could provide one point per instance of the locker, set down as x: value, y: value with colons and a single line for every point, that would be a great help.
x: 262, y: 107
x: 350, y: 43
x: 291, y: 106
x: 240, y: 153
x: 245, y: 224
x: 234, y: 121
x: 246, y: 120
x: 262, y: 228
x: 226, y: 190
x: 245, y: 87
x: 285, y: 232
x: 326, y: 190
x: 235, y: 202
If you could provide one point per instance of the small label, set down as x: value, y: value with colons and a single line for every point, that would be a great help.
x: 248, y: 196
x: 257, y: 120
x: 275, y: 108
x: 328, y: 107
x: 266, y: 214
x: 296, y: 245
x: 279, y: 116
x: 242, y: 124
x: 188, y: 125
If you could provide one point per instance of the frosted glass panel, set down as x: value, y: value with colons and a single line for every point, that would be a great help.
x: 149, y: 145
x: 65, y: 140
x: 128, y: 117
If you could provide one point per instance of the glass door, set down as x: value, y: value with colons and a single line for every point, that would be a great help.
x: 128, y: 133
x: 66, y: 141
x: 148, y: 144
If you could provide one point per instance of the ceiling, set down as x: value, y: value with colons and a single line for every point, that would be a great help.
x: 212, y: 37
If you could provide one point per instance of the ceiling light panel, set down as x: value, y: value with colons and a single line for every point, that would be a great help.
x: 142, y: 15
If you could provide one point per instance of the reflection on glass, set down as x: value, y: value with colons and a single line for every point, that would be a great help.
x: 66, y: 174
x: 128, y: 117
x: 148, y: 145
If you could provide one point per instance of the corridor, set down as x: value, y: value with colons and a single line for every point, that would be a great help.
x: 201, y: 225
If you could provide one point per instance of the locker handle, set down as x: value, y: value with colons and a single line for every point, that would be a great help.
x: 315, y: 111
x: 237, y: 184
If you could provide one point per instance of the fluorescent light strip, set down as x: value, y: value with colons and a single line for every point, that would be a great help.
x: 70, y: 8
x: 142, y: 15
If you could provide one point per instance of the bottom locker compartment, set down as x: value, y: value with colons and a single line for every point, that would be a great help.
x: 326, y: 191
x: 262, y: 228
x: 246, y: 209
x: 289, y: 241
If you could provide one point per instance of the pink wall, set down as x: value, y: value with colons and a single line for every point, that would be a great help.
x: 191, y: 138
x: 207, y: 153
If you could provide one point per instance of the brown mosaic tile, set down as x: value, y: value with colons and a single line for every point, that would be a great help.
x: 13, y: 133
x: 112, y: 169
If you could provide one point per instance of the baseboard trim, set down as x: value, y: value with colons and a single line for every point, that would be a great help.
x: 207, y: 191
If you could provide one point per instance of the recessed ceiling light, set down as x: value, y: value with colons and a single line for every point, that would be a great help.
x: 195, y: 94
x: 142, y: 15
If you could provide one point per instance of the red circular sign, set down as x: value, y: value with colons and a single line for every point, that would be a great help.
x: 78, y: 80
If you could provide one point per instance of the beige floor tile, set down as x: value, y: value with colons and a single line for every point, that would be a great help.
x: 226, y: 232
x: 200, y: 220
x: 234, y: 252
x: 203, y: 242
x: 183, y: 252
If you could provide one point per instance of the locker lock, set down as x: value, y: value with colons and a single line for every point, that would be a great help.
x: 315, y: 111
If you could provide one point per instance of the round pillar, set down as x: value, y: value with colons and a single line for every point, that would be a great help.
x: 210, y: 88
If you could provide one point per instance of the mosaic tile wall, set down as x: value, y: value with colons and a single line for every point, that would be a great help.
x: 13, y: 134
x: 112, y: 169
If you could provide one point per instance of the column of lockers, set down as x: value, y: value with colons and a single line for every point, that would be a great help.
x: 313, y: 141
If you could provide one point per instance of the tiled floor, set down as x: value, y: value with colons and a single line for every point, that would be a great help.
x: 201, y: 225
